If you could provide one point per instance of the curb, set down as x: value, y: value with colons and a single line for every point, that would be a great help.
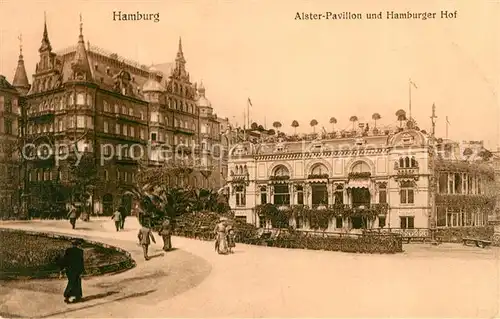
x: 95, y: 271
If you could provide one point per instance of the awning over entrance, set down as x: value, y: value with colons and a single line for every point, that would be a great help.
x: 359, y: 183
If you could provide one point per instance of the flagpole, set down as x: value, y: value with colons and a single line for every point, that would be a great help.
x: 409, y: 97
x: 447, y: 127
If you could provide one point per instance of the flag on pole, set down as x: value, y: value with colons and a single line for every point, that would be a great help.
x: 249, y: 102
x: 411, y: 82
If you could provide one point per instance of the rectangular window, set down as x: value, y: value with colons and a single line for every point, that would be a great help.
x: 240, y: 196
x: 8, y: 126
x: 118, y: 129
x: 441, y: 217
x: 106, y: 127
x: 339, y: 222
x: 131, y: 131
x: 80, y: 121
x: 407, y: 193
x: 153, y: 136
x: 407, y: 222
x: 263, y: 198
x: 142, y: 134
x: 381, y: 221
x: 281, y: 195
x: 382, y: 196
x: 124, y: 130
x: 8, y: 105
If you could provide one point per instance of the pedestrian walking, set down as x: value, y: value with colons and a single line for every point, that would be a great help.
x: 117, y: 217
x: 230, y: 238
x: 145, y: 236
x: 165, y: 232
x: 220, y: 239
x: 124, y: 214
x: 72, y: 216
x: 73, y: 265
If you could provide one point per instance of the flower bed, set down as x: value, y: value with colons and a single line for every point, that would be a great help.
x: 35, y: 255
x: 455, y: 235
x: 369, y: 243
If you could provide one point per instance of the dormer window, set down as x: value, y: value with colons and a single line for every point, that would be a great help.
x: 96, y: 67
x: 108, y: 71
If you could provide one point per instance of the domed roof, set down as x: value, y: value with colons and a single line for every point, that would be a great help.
x: 202, y: 100
x: 152, y: 84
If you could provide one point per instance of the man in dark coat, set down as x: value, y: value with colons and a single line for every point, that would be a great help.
x: 123, y: 211
x: 74, y: 266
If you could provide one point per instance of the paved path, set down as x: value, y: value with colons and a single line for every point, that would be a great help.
x: 443, y: 281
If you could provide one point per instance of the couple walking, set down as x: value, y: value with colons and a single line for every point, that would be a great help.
x: 224, y: 237
x: 145, y: 236
x: 119, y: 218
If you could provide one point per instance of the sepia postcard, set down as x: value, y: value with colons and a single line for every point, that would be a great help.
x: 250, y: 159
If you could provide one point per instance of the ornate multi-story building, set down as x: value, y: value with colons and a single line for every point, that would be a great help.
x: 9, y: 155
x: 116, y: 111
x: 361, y: 179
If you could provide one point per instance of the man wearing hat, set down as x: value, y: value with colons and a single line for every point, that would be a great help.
x: 73, y: 263
x: 145, y: 237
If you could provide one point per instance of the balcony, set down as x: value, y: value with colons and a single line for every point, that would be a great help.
x: 184, y: 130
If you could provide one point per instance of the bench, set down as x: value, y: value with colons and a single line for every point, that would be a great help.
x: 481, y: 243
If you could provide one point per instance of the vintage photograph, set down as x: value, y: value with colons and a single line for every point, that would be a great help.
x: 249, y: 159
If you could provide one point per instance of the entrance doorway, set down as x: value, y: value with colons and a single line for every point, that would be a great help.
x: 361, y: 200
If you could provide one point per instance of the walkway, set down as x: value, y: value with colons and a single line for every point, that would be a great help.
x: 444, y: 281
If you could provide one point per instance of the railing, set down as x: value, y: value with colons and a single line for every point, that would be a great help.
x: 404, y: 232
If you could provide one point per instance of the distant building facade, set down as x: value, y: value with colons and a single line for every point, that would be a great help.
x: 359, y: 180
x: 9, y: 155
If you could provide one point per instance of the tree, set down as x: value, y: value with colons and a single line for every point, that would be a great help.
x: 333, y: 121
x: 83, y: 177
x: 485, y: 155
x: 313, y: 124
x: 254, y: 126
x: 376, y: 117
x: 353, y: 119
x: 277, y: 125
x: 401, y: 116
x: 271, y: 132
x: 467, y: 153
x: 295, y: 124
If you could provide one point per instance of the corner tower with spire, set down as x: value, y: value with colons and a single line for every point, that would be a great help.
x: 21, y: 82
x: 80, y: 65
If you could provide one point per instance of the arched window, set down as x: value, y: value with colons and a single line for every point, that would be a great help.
x: 281, y: 171
x: 401, y: 162
x: 361, y: 167
x: 319, y: 169
x: 414, y: 162
x: 407, y: 162
x: 70, y: 99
